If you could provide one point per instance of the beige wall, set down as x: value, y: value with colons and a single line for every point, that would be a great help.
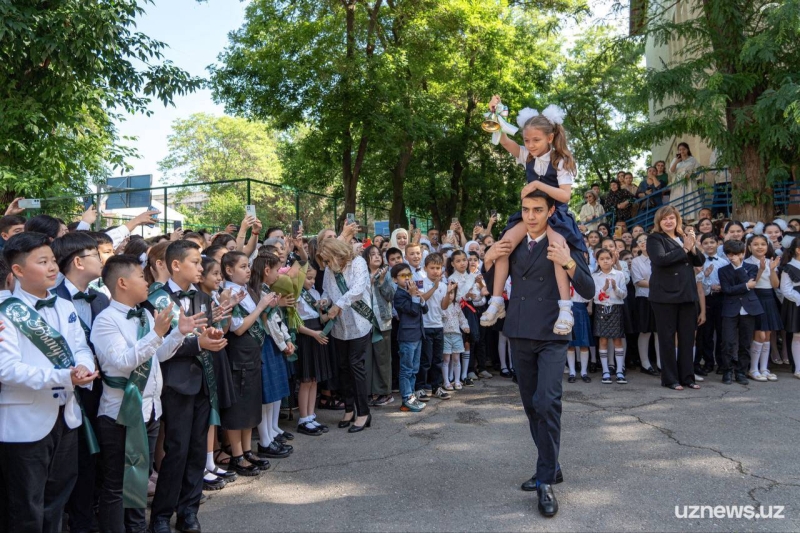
x: 655, y: 57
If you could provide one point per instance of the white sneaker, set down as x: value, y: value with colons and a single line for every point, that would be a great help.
x: 472, y: 375
x: 698, y: 379
x: 494, y: 313
x: 756, y: 376
x: 565, y: 320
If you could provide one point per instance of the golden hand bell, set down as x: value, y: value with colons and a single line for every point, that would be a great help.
x: 490, y: 123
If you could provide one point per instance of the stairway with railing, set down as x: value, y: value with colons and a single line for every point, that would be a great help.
x: 716, y: 197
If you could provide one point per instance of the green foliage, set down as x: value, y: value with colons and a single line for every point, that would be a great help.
x: 600, y: 86
x: 734, y: 83
x: 68, y: 70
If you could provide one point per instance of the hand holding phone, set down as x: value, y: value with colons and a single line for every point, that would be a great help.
x: 351, y: 219
x: 250, y: 210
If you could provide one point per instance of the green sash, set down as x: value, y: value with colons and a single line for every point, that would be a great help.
x: 312, y: 303
x: 257, y: 330
x: 160, y: 299
x: 137, y: 452
x: 361, y: 308
x: 52, y: 344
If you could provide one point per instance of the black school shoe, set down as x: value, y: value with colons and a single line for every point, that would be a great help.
x: 469, y: 383
x: 309, y: 429
x: 273, y: 451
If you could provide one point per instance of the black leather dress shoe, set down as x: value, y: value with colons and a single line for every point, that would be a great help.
x: 649, y: 371
x: 216, y: 484
x: 239, y: 466
x: 530, y: 485
x: 356, y: 429
x: 160, y: 525
x: 274, y: 451
x: 253, y: 459
x: 548, y: 505
x: 188, y: 523
x: 726, y: 378
x: 741, y: 379
x: 309, y: 429
x: 286, y: 435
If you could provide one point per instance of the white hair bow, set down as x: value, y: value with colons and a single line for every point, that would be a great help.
x: 781, y: 224
x: 758, y: 229
x: 787, y: 241
x: 553, y: 113
x: 143, y: 259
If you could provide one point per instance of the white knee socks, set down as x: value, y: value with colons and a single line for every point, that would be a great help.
x: 755, y: 355
x: 584, y: 362
x: 658, y: 352
x: 763, y: 364
x: 796, y: 351
x: 464, y: 365
x: 276, y: 414
x: 571, y: 361
x: 455, y: 367
x: 265, y: 435
x: 604, y: 360
x: 644, y: 350
x: 446, y: 368
x: 619, y: 355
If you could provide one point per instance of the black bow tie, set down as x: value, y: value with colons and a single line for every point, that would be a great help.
x: 137, y: 313
x: 712, y: 257
x: 50, y: 302
x: 186, y: 294
x: 84, y: 296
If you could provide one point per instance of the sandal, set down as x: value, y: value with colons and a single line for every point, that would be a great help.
x: 693, y: 386
x: 675, y: 386
x: 225, y: 461
x: 330, y: 403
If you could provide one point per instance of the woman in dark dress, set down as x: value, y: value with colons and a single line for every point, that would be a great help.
x: 619, y: 200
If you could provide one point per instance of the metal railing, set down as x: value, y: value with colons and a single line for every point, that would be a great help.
x: 213, y: 205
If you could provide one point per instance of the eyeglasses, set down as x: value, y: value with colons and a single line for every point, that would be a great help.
x: 404, y: 275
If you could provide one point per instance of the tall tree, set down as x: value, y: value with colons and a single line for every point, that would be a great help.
x: 734, y: 82
x: 68, y: 70
x: 600, y: 86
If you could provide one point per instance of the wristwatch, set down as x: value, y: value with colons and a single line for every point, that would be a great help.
x: 569, y: 265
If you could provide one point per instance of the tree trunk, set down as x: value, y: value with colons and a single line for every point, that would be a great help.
x: 397, y: 215
x: 752, y: 197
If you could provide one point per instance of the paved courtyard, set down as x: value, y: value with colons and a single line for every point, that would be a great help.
x: 630, y: 455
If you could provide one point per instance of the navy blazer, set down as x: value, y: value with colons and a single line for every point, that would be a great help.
x: 409, y: 316
x: 672, y: 280
x: 97, y: 305
x: 533, y: 305
x: 735, y: 293
x: 183, y: 372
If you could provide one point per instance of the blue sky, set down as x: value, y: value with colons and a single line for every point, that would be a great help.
x: 196, y: 33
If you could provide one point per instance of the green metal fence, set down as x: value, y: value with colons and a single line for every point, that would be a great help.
x: 213, y: 205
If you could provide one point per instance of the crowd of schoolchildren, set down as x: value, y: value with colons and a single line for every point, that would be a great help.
x: 133, y: 368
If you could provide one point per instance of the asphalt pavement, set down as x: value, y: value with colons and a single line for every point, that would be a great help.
x: 632, y: 455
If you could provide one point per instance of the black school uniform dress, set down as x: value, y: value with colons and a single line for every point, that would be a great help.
x: 244, y: 366
x: 313, y: 359
x: 562, y: 222
x: 790, y: 312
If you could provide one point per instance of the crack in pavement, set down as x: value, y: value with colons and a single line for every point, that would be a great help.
x: 670, y: 434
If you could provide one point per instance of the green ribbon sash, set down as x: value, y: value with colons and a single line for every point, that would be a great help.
x: 361, y: 308
x: 137, y: 452
x: 53, y: 345
x: 257, y: 330
x: 160, y: 300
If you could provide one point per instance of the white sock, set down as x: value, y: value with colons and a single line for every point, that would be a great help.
x: 276, y: 414
x: 265, y: 426
x: 210, y: 466
x: 312, y: 419
x: 644, y: 345
x: 604, y: 361
x: 501, y: 351
x: 796, y: 351
x: 584, y: 362
x: 446, y: 369
x: 455, y: 367
x: 764, y: 364
x: 571, y: 362
x: 619, y: 355
x: 755, y: 355
x: 464, y: 365
x: 497, y: 300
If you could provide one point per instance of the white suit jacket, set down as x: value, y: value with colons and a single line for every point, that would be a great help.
x: 32, y: 389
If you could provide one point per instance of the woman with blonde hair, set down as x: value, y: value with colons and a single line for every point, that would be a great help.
x: 673, y: 252
x: 346, y: 286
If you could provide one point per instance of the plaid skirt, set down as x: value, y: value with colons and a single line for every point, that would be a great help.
x: 274, y: 376
x: 608, y: 321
